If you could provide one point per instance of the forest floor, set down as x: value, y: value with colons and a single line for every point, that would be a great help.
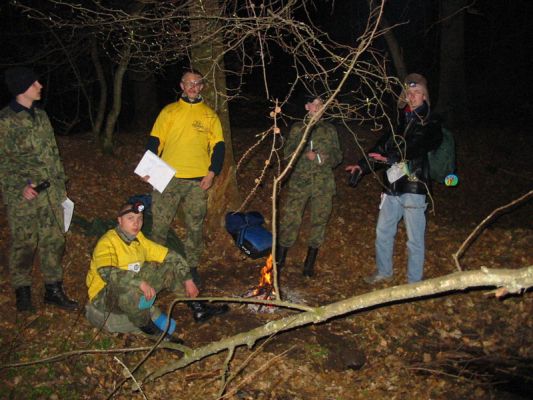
x: 461, y: 345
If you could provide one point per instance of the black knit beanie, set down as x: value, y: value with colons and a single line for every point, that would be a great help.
x: 19, y: 79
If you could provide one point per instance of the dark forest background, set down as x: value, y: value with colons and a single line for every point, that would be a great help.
x: 497, y: 58
x: 462, y: 344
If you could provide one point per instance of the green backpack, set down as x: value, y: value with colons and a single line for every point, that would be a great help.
x: 442, y: 159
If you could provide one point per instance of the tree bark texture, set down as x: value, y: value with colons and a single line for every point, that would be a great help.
x: 208, y: 58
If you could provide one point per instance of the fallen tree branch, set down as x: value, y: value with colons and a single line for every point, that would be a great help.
x: 515, y: 281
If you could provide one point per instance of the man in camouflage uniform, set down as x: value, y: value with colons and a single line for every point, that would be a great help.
x: 29, y: 156
x: 128, y: 270
x: 188, y: 136
x: 311, y: 181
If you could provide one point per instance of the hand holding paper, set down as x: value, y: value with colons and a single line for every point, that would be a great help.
x: 158, y: 171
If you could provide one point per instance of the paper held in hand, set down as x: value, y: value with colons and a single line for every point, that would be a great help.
x: 68, y: 211
x: 160, y: 172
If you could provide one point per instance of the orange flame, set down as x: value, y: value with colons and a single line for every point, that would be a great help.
x: 264, y: 290
x: 267, y: 273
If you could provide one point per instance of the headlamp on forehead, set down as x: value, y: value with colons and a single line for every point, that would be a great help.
x: 136, y: 208
x: 412, y: 84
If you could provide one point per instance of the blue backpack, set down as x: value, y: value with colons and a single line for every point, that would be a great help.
x: 249, y: 233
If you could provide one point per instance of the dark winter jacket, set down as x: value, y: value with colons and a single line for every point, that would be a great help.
x: 418, y: 133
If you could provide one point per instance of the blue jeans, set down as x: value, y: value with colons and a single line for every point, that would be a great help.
x: 410, y: 207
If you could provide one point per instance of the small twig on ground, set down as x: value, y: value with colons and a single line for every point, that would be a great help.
x: 250, y: 376
x: 137, y: 385
x: 63, y: 356
x: 243, y: 365
x: 225, y: 370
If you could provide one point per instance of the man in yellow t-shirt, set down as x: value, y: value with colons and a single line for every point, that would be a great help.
x: 128, y: 270
x: 188, y: 136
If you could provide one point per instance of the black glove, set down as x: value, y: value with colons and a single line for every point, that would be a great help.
x: 355, y: 177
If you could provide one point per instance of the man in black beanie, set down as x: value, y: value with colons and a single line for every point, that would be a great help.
x: 33, y: 187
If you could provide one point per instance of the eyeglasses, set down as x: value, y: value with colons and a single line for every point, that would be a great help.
x: 191, y: 84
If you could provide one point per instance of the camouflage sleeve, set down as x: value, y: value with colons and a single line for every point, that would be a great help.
x: 29, y: 152
x: 53, y: 160
x: 333, y: 148
x: 183, y: 268
x: 117, y: 276
x: 293, y: 140
x: 10, y: 173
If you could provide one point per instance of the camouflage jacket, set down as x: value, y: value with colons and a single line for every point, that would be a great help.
x: 28, y: 154
x: 324, y: 140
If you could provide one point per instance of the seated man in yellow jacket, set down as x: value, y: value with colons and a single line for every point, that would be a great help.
x: 128, y: 270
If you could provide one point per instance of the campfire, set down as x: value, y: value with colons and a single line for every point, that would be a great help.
x: 264, y: 290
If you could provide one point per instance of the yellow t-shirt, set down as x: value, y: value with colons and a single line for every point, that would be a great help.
x: 187, y: 134
x: 112, y: 251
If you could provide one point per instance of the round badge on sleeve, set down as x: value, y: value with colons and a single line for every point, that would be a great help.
x: 451, y: 180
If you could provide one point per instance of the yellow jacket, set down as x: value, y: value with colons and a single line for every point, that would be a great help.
x: 112, y: 251
x: 187, y: 134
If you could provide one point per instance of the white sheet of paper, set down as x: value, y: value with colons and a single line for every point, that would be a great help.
x: 159, y: 171
x: 396, y: 172
x: 68, y: 211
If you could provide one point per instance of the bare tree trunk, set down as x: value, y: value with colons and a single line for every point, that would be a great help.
x: 395, y: 50
x: 452, y: 104
x: 208, y: 58
x: 102, y: 82
x: 393, y: 45
x: 112, y: 117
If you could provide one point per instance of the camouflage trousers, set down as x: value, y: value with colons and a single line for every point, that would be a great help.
x: 299, y: 194
x: 194, y: 204
x: 35, y: 226
x: 122, y: 296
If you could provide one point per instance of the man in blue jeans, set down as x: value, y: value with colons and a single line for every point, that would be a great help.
x: 404, y: 155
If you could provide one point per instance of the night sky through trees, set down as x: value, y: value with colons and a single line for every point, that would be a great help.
x: 498, y: 50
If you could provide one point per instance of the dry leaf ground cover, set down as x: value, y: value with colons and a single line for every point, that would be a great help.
x: 465, y: 345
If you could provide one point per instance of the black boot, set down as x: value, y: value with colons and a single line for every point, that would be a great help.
x: 153, y: 331
x: 281, y: 255
x: 310, y: 261
x: 202, y: 312
x: 23, y: 295
x: 55, y: 295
